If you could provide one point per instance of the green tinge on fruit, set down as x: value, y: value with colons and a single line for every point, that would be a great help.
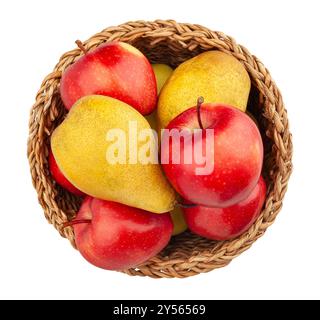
x: 217, y: 76
x: 162, y: 73
x: 179, y: 223
x: 80, y: 145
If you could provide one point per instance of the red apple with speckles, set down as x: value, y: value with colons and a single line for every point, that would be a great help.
x: 230, y: 222
x: 232, y: 155
x: 115, y: 69
x: 114, y: 236
x: 59, y: 177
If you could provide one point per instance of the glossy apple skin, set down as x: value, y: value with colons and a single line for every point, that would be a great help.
x: 230, y: 222
x: 119, y: 236
x: 237, y: 157
x: 59, y: 177
x: 115, y: 69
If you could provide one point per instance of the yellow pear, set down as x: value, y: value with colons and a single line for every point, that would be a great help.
x: 162, y: 73
x: 179, y: 223
x: 95, y: 149
x: 217, y: 76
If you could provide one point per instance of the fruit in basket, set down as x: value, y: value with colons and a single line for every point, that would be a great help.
x: 253, y: 118
x: 115, y: 69
x: 162, y: 73
x: 93, y: 147
x: 179, y: 223
x: 217, y: 76
x: 230, y: 222
x: 59, y: 177
x: 231, y: 155
x: 114, y: 236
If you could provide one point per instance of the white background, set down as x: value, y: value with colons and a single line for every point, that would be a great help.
x: 36, y: 263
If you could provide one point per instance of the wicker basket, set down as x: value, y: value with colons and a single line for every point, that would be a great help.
x: 172, y: 43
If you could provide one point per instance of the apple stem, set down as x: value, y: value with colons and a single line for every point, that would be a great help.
x: 185, y: 205
x: 199, y: 103
x: 81, y: 46
x: 74, y: 222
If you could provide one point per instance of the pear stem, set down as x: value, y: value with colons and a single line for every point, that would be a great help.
x: 81, y: 46
x: 74, y: 222
x: 186, y: 206
x: 199, y: 103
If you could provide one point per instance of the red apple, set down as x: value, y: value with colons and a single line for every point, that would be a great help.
x: 230, y: 222
x: 114, y: 236
x: 59, y: 177
x: 233, y: 155
x: 115, y: 69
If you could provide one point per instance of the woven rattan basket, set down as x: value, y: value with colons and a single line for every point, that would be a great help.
x: 172, y: 43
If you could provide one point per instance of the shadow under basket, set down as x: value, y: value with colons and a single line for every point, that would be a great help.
x: 171, y: 43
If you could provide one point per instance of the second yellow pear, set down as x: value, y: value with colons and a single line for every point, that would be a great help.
x: 179, y: 223
x: 217, y: 76
x: 162, y: 73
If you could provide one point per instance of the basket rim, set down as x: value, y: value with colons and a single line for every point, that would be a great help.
x: 189, y: 37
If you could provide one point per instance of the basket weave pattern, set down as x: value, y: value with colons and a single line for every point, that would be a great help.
x: 171, y: 43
